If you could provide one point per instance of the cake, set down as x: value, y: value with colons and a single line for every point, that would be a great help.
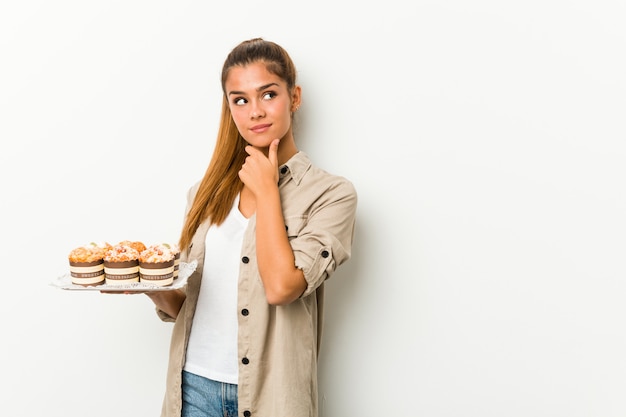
x: 121, y: 264
x: 156, y: 265
x: 176, y: 251
x: 87, y: 264
x: 135, y: 244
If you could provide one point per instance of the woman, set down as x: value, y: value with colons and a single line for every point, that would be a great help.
x: 267, y: 228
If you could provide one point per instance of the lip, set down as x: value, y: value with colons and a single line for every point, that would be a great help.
x: 260, y: 128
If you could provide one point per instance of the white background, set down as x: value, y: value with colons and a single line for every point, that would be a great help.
x: 486, y: 140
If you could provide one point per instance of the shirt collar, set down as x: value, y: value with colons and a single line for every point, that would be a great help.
x: 295, y: 167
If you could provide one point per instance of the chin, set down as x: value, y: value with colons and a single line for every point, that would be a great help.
x: 259, y: 142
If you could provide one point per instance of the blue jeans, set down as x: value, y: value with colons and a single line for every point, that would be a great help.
x: 204, y: 397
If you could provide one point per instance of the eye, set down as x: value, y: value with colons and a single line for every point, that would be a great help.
x: 269, y: 95
x: 240, y: 101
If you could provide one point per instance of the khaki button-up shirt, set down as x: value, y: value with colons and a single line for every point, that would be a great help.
x: 277, y: 345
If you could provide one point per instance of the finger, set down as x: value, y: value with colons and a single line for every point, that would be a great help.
x: 250, y: 149
x: 273, y: 152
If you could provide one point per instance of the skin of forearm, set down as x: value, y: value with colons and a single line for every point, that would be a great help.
x: 283, y: 282
x: 169, y: 302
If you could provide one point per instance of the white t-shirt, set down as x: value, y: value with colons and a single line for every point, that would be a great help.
x: 212, y: 349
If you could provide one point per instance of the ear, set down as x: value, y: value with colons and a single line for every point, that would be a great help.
x: 296, y: 98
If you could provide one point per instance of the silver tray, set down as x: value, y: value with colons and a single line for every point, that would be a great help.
x: 185, y: 270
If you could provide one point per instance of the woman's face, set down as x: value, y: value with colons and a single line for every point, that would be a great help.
x: 260, y: 103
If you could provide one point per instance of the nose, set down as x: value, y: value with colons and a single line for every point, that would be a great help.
x: 256, y: 111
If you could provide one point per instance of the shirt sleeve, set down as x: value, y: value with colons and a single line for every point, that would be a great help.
x: 191, y: 194
x: 322, y: 239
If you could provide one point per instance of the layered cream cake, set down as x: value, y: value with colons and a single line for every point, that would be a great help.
x: 176, y: 251
x: 121, y: 265
x: 87, y: 264
x: 135, y: 244
x: 156, y: 265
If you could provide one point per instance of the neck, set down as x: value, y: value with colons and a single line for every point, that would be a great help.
x: 286, y: 151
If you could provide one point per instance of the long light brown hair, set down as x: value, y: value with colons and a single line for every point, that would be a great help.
x: 221, y: 184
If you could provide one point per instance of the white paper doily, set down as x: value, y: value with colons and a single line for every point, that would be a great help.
x: 185, y: 270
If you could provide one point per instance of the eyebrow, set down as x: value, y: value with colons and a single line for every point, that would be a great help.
x: 261, y: 88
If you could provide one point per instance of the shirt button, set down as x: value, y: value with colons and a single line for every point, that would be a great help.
x: 245, y: 361
x: 325, y: 254
x: 283, y: 170
x: 247, y: 413
x: 245, y: 312
x: 245, y: 259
